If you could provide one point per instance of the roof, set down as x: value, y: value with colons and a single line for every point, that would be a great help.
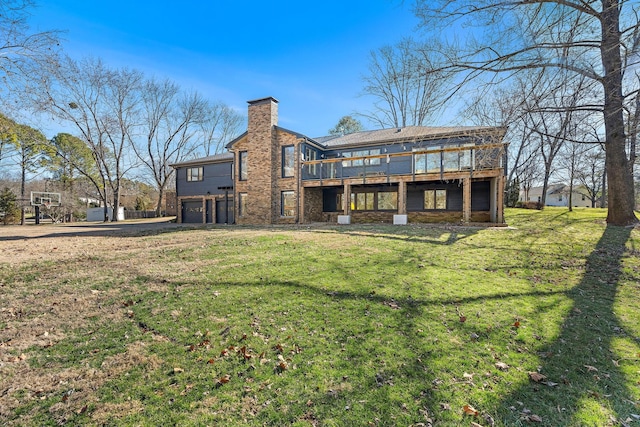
x: 408, y: 133
x: 262, y: 100
x: 217, y: 158
x: 386, y: 136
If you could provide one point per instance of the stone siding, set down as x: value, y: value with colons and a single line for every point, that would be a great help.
x: 371, y: 217
x: 427, y: 217
x: 313, y: 205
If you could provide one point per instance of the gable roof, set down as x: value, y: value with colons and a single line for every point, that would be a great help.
x: 408, y: 133
x: 217, y: 158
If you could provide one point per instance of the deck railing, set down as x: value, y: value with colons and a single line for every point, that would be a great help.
x: 440, y: 160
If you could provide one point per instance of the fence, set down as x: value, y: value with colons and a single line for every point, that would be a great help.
x: 139, y: 214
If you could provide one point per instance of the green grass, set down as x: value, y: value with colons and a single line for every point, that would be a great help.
x: 341, y: 326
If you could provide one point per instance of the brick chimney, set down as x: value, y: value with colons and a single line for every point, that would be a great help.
x: 262, y: 156
x: 263, y: 114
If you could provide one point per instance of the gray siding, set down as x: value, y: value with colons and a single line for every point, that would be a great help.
x: 215, y: 175
x: 480, y: 196
x: 415, y: 195
x: 392, y: 166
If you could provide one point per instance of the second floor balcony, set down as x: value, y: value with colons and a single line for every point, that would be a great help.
x: 421, y: 164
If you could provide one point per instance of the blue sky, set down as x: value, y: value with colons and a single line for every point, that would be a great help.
x: 309, y: 55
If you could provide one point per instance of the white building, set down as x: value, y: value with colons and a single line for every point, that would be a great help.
x: 557, y: 195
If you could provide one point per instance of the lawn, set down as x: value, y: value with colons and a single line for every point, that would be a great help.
x: 363, y: 325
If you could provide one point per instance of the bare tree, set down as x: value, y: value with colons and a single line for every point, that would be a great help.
x: 170, y: 122
x: 553, y: 115
x: 21, y: 50
x: 507, y: 107
x: 590, y: 174
x: 408, y: 83
x: 103, y: 105
x: 583, y: 38
x: 222, y: 123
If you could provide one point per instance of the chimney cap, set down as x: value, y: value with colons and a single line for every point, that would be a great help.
x: 262, y: 100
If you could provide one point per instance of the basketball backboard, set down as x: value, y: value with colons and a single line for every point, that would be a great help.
x: 44, y: 198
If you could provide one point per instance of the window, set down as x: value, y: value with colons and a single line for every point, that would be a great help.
x: 559, y: 197
x: 311, y: 155
x: 195, y: 174
x: 242, y: 204
x: 288, y: 161
x: 375, y: 161
x: 360, y: 162
x: 362, y: 201
x: 387, y: 201
x: 583, y: 198
x: 435, y: 199
x: 242, y: 166
x: 288, y: 203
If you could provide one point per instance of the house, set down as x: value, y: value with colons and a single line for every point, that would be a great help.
x: 272, y: 175
x: 557, y: 195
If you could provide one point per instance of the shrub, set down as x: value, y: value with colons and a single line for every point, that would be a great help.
x: 9, y: 209
x: 529, y: 205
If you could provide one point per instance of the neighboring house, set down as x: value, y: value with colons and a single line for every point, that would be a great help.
x: 273, y: 175
x: 557, y: 195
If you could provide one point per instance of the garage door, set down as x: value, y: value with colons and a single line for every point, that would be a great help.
x: 192, y: 212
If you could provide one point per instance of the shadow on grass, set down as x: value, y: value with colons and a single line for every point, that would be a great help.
x: 584, y: 382
x: 115, y: 229
x: 432, y: 234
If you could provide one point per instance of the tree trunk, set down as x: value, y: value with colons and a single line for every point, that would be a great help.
x: 570, y: 200
x: 545, y: 184
x: 23, y: 179
x: 621, y: 201
x: 116, y: 204
x: 159, y: 204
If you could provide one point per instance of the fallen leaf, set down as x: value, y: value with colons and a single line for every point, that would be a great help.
x: 470, y: 410
x: 537, y: 377
x: 211, y: 362
x: 591, y: 368
x: 535, y: 418
x: 516, y: 324
x: 223, y: 379
x: 502, y: 366
x: 463, y: 319
x: 475, y: 424
x: 177, y: 370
